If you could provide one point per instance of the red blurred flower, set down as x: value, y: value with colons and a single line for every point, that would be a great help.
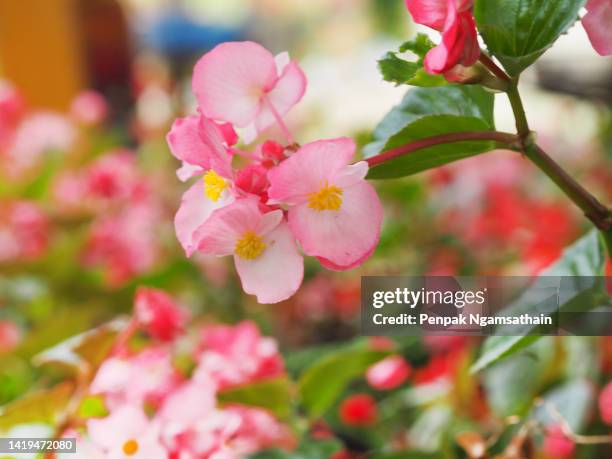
x: 358, y: 410
x: 439, y: 367
x: 158, y: 314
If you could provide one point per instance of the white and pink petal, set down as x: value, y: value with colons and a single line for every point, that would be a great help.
x: 278, y: 272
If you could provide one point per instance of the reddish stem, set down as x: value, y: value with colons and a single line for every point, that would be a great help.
x: 493, y: 67
x: 508, y: 140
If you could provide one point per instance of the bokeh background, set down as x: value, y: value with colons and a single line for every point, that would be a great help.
x: 88, y: 190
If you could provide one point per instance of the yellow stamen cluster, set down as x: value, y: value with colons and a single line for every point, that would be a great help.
x: 130, y: 447
x: 327, y: 198
x: 249, y: 246
x: 214, y: 185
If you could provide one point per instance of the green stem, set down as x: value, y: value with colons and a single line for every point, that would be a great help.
x: 522, y: 127
x: 595, y: 211
x: 592, y: 208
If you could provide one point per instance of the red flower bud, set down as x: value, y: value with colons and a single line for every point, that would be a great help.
x: 358, y: 410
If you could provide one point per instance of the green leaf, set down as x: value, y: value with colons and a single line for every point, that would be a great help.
x: 584, y: 260
x: 323, y: 449
x: 468, y: 101
x: 273, y: 395
x: 517, y: 32
x: 434, y: 156
x: 401, y: 71
x: 92, y: 406
x: 420, y: 46
x: 396, y: 70
x: 497, y: 348
x: 512, y: 384
x: 37, y: 407
x: 322, y: 383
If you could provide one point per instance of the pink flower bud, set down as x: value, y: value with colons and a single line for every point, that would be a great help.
x: 389, y: 373
x: 557, y: 445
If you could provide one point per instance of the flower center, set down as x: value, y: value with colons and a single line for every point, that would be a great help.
x: 249, y: 246
x: 214, y: 185
x: 130, y: 447
x: 327, y: 198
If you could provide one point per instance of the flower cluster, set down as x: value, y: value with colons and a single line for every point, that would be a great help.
x: 284, y: 194
x: 155, y: 410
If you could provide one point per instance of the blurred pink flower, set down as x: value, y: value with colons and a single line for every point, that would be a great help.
x: 597, y: 22
x: 264, y: 250
x: 147, y: 376
x: 113, y: 177
x: 10, y: 336
x: 24, y: 231
x: 389, y: 373
x: 242, y: 83
x: 333, y: 212
x: 124, y: 245
x: 89, y: 108
x: 453, y: 18
x: 127, y: 433
x: 234, y: 355
x: 12, y: 109
x: 38, y: 134
x: 158, y: 314
x: 605, y: 404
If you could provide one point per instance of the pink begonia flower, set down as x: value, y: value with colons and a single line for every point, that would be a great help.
x: 234, y: 355
x: 433, y: 13
x: 333, y: 212
x: 389, y: 373
x: 597, y: 23
x: 158, y: 314
x: 127, y: 434
x: 202, y: 145
x: 265, y: 254
x: 89, y: 108
x: 244, y: 84
x: 148, y: 376
x: 454, y: 20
